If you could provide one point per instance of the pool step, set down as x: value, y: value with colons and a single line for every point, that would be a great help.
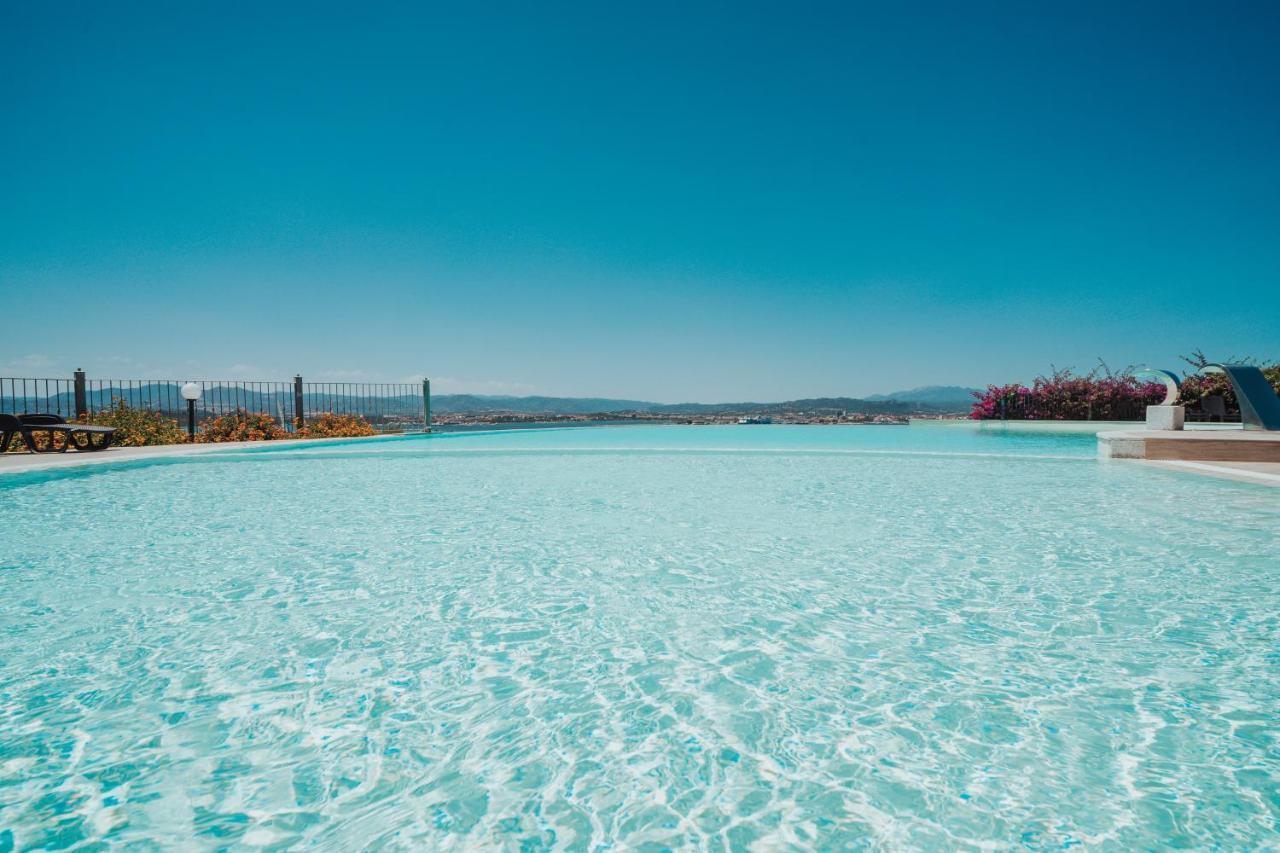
x: 1191, y: 446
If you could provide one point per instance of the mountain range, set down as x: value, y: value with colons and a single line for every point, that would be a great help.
x: 934, y: 399
x: 934, y: 395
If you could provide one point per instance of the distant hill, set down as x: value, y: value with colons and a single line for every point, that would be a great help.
x: 818, y: 404
x: 935, y: 396
x: 477, y: 404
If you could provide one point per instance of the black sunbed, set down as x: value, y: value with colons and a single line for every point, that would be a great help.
x: 81, y: 436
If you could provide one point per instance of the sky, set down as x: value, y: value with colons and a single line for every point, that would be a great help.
x: 660, y: 201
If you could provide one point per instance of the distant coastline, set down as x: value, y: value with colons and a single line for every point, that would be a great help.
x: 466, y: 422
x: 933, y: 400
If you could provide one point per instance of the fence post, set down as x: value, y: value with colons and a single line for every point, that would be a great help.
x: 82, y: 399
x: 426, y: 405
x: 298, y: 417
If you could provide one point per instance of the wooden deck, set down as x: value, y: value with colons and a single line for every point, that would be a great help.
x: 1191, y: 446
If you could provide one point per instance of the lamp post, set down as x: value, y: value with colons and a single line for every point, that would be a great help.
x: 191, y: 393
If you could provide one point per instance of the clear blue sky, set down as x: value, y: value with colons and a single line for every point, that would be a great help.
x: 670, y: 201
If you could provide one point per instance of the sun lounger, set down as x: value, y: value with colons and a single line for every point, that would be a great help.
x: 11, y: 426
x: 81, y: 436
x: 85, y: 437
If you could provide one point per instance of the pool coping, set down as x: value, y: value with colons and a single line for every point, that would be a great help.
x: 25, y: 463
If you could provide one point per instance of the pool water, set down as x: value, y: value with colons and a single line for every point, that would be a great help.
x: 641, y: 637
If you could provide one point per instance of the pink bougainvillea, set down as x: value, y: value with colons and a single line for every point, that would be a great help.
x: 1104, y: 396
x: 1064, y: 396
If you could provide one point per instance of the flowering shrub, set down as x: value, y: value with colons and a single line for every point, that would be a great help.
x: 136, y: 427
x: 998, y: 401
x: 330, y: 425
x: 240, y: 426
x: 1064, y: 395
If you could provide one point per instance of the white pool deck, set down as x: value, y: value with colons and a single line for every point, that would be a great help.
x: 14, y: 463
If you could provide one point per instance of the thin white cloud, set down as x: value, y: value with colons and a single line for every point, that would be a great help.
x: 493, y: 387
x: 28, y: 366
x: 341, y: 376
x: 243, y: 371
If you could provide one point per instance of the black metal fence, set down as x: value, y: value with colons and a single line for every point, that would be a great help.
x: 1018, y: 408
x: 388, y: 407
x: 52, y: 396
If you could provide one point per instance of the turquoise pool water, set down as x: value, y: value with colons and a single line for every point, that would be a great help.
x: 891, y: 637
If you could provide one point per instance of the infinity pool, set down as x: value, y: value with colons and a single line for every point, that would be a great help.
x: 886, y: 637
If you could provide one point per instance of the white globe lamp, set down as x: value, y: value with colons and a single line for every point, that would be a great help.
x: 191, y: 393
